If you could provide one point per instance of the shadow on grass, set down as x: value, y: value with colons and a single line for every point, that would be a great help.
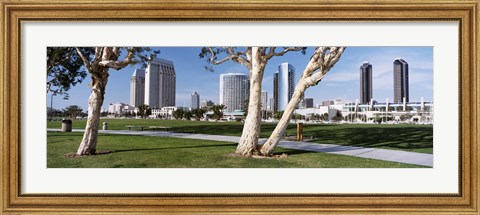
x: 393, y: 137
x: 210, y: 129
x: 227, y: 129
x: 292, y: 152
x: 167, y: 148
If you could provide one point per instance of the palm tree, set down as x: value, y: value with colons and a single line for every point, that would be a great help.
x: 218, y: 111
x: 198, y: 113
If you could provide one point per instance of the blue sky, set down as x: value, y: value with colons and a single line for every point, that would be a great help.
x: 341, y: 82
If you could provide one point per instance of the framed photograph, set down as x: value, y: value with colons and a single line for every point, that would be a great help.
x: 364, y: 107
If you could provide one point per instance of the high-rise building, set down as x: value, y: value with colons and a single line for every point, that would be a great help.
x: 160, y: 83
x: 327, y: 102
x: 264, y: 100
x: 195, y: 103
x: 234, y: 91
x: 274, y: 104
x: 365, y: 82
x: 137, y: 88
x: 286, y: 85
x: 308, y: 103
x: 400, y: 81
x: 207, y: 104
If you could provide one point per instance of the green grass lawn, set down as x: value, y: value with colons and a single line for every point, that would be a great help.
x: 129, y: 151
x: 405, y: 137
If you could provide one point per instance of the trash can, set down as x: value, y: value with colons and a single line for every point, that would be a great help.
x: 105, y: 126
x: 66, y: 125
x: 299, y: 131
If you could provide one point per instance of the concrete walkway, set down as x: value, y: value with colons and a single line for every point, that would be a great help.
x: 373, y: 153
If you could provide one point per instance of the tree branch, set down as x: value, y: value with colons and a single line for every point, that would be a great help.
x: 85, y: 60
x: 237, y: 57
x: 285, y: 50
x: 116, y: 64
x: 212, y: 58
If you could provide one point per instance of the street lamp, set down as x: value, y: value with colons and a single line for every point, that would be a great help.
x: 51, y: 106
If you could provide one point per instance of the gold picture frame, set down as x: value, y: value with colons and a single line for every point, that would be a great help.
x: 15, y: 12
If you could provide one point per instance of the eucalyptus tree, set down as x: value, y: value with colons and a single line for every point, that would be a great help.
x: 255, y: 59
x: 97, y: 61
x: 322, y: 60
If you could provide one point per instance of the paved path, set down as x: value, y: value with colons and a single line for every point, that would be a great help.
x: 373, y: 153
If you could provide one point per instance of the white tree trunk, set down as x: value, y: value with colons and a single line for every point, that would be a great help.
x: 248, y: 144
x: 279, y: 132
x: 88, y: 146
x: 321, y: 60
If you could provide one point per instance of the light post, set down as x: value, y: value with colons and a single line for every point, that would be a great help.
x: 51, y: 106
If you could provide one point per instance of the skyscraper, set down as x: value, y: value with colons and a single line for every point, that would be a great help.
x: 195, y: 104
x: 365, y: 82
x: 400, y: 81
x: 286, y: 84
x: 264, y: 100
x: 274, y: 103
x: 160, y: 83
x: 308, y: 103
x: 234, y: 91
x: 137, y: 88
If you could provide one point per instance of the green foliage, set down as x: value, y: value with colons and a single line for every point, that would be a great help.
x: 355, y: 117
x: 198, y: 113
x: 218, y: 111
x: 324, y: 117
x: 188, y: 115
x: 53, y: 112
x: 178, y: 114
x: 72, y: 111
x: 278, y: 115
x: 64, y: 69
x: 338, y: 117
x: 405, y: 117
x: 298, y: 116
x: 144, y: 111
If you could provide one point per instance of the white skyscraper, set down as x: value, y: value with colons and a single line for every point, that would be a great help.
x: 286, y: 84
x: 264, y: 100
x: 195, y: 104
x: 160, y: 83
x: 137, y: 88
x: 234, y: 91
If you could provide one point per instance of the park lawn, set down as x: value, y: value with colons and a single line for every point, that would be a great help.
x: 129, y: 151
x: 404, y: 137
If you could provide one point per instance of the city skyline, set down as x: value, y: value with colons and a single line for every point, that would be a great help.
x: 341, y: 82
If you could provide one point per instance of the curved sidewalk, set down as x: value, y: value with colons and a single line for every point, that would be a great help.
x: 373, y: 153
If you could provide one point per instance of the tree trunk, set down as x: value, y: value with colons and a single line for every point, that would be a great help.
x: 248, y: 143
x: 268, y: 147
x: 88, y: 146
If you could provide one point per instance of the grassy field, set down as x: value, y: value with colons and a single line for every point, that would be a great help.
x: 128, y: 151
x: 405, y: 137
